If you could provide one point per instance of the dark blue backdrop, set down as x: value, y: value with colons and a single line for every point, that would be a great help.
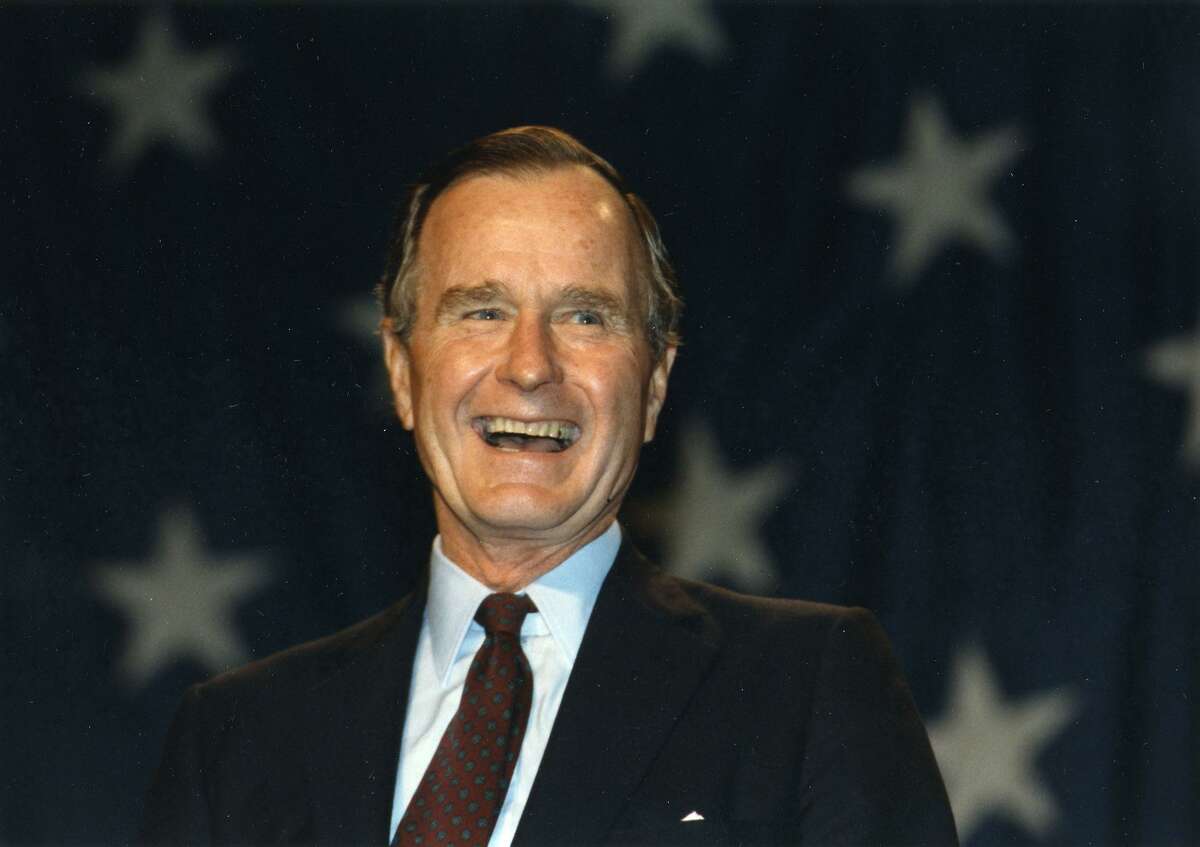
x: 943, y: 357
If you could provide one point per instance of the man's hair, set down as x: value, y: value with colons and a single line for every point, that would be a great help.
x: 524, y: 151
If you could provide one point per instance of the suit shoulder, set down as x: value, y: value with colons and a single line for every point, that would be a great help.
x: 305, y: 666
x: 736, y: 609
x: 748, y: 624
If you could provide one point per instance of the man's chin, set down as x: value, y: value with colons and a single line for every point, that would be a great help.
x: 526, y: 523
x: 527, y: 512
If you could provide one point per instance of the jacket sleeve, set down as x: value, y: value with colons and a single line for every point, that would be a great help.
x: 868, y: 776
x: 177, y: 810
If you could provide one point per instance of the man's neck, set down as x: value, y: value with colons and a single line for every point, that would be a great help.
x: 508, y: 564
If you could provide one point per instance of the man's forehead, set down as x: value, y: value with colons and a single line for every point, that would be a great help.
x: 576, y: 192
x: 569, y: 212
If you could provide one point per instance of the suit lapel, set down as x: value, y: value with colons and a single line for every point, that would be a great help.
x: 357, y: 718
x: 646, y: 648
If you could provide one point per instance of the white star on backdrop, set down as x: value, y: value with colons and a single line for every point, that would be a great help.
x: 180, y: 602
x: 1176, y: 363
x: 159, y: 94
x: 711, y: 518
x: 359, y: 317
x: 937, y: 191
x: 645, y: 26
x: 986, y: 748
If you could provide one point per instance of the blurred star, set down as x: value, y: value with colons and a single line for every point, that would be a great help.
x: 710, y: 522
x: 986, y: 748
x: 181, y: 602
x: 159, y: 94
x: 645, y: 26
x: 937, y: 191
x: 358, y: 317
x: 1176, y: 363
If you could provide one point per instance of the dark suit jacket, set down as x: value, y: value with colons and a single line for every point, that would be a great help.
x: 778, y: 721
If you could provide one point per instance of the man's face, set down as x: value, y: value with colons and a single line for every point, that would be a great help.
x: 527, y: 378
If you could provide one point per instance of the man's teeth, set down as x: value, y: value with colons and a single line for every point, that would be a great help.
x: 541, y: 429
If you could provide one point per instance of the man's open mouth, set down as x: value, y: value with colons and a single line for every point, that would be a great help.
x: 544, y: 436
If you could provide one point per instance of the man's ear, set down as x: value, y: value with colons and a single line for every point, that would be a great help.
x: 658, y: 390
x: 396, y: 358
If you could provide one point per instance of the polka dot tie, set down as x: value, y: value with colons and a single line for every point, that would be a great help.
x: 459, y: 798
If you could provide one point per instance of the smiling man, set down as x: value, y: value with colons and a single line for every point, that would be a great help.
x: 546, y: 685
x: 518, y: 350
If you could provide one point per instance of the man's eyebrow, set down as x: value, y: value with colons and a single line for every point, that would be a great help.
x: 459, y: 297
x: 589, y: 298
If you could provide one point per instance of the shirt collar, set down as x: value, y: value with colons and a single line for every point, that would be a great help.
x: 564, y: 596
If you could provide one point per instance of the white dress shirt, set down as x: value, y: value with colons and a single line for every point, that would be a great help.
x: 449, y: 640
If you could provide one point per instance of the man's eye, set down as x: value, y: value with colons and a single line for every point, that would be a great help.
x: 586, y: 318
x: 483, y: 315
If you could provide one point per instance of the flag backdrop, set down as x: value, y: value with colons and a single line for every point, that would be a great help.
x: 942, y: 357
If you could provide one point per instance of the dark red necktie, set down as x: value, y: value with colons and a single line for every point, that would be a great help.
x: 458, y: 801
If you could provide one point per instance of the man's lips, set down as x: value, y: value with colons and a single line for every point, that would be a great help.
x: 544, y: 435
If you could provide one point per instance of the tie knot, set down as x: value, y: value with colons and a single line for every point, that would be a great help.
x: 504, y: 613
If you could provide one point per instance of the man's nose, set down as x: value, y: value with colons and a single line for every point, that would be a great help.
x: 530, y: 360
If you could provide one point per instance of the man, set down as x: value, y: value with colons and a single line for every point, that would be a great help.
x: 545, y: 685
